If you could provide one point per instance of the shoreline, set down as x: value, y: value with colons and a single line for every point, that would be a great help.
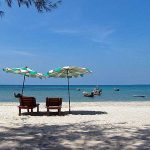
x: 94, y: 102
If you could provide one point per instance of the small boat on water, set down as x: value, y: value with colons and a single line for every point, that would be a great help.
x: 78, y: 89
x: 88, y: 94
x: 116, y: 89
x: 139, y: 96
x: 97, y: 91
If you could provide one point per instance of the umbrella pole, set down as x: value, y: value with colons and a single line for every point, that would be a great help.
x: 23, y: 84
x: 68, y: 92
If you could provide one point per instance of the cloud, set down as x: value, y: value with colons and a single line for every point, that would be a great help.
x: 99, y: 35
x: 102, y: 37
x: 107, y: 33
x: 65, y: 31
x: 11, y: 51
x: 97, y: 41
x: 23, y: 53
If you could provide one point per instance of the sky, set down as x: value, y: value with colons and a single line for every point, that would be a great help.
x: 110, y: 37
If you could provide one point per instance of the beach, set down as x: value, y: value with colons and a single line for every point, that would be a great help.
x: 91, y: 125
x: 90, y: 55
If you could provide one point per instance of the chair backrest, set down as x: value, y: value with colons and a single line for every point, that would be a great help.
x: 53, y: 101
x: 27, y: 101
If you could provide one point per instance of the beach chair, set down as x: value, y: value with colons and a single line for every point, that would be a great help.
x: 27, y: 103
x: 53, y: 103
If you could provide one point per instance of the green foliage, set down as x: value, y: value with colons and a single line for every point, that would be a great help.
x: 40, y: 5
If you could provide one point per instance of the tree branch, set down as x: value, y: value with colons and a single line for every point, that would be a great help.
x: 40, y: 5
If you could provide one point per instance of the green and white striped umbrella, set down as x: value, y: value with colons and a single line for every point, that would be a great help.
x: 68, y: 72
x: 26, y: 72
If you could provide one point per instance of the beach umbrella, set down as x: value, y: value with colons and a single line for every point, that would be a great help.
x: 26, y: 72
x: 68, y: 72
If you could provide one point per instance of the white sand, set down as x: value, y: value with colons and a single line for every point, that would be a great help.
x: 103, y: 125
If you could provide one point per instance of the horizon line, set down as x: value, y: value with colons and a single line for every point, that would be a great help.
x: 71, y: 84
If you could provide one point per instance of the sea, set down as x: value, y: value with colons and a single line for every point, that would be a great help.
x: 126, y: 93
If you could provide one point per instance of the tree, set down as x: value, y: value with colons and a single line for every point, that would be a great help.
x: 40, y: 5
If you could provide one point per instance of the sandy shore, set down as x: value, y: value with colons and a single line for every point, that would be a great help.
x: 103, y: 125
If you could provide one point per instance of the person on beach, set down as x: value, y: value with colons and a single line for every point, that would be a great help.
x: 18, y: 95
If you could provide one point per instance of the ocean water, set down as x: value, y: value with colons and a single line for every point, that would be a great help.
x: 108, y: 94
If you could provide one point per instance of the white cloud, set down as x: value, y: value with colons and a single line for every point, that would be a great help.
x: 65, y: 31
x: 107, y: 33
x: 23, y: 53
x: 102, y: 37
x: 97, y: 41
x: 99, y: 35
x: 11, y: 51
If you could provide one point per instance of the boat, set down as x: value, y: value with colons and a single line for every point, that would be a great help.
x: 139, y: 96
x: 97, y: 91
x: 116, y: 89
x: 78, y: 89
x: 88, y: 94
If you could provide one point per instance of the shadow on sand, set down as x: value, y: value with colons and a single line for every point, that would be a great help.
x: 63, y: 113
x: 80, y: 112
x: 74, y: 136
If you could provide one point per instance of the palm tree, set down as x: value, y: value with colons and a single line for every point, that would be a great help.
x: 40, y: 5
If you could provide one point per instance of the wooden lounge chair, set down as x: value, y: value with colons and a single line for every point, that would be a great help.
x: 54, y: 103
x: 27, y: 103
